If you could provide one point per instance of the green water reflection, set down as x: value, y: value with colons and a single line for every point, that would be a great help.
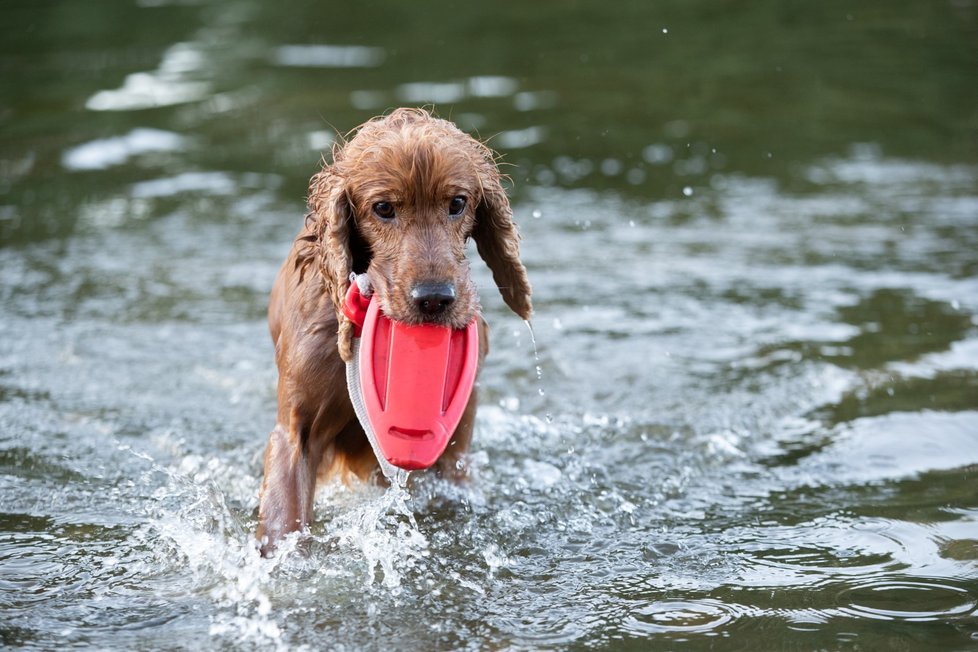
x: 664, y: 94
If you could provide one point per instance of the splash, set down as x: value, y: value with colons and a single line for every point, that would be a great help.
x: 383, y: 532
x: 372, y: 541
x: 192, y: 531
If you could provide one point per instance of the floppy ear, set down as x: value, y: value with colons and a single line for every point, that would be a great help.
x: 498, y: 242
x: 334, y: 229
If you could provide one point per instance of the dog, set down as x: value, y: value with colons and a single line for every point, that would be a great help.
x: 399, y: 201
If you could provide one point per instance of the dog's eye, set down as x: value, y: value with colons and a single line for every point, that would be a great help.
x: 384, y: 210
x: 456, y: 206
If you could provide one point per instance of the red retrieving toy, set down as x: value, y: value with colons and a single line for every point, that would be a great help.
x: 409, y: 383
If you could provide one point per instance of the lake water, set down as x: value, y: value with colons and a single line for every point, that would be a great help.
x: 750, y: 417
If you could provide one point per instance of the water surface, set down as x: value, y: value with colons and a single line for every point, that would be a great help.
x: 750, y: 417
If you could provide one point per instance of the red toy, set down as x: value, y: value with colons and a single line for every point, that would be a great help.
x: 409, y: 384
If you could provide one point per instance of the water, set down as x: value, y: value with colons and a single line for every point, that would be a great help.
x: 751, y: 233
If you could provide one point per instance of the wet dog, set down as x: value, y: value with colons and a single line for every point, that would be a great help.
x: 398, y: 202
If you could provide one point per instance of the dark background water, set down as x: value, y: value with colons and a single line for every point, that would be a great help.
x: 752, y: 232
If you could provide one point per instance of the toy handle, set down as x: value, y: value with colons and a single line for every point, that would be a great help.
x: 355, y: 306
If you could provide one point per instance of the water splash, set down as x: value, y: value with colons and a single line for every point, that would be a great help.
x: 193, y: 530
x: 384, y: 533
x: 400, y: 478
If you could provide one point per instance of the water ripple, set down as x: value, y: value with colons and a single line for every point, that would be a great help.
x: 679, y: 616
x: 909, y: 599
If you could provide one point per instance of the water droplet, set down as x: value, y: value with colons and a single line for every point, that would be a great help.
x: 533, y: 339
x: 688, y: 191
x: 537, y: 213
x: 536, y: 358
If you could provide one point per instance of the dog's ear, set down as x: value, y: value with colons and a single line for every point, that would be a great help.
x: 334, y: 231
x: 498, y: 241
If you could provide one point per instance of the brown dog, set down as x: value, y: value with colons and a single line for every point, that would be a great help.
x: 399, y: 202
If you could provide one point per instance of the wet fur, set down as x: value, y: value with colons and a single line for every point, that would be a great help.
x: 418, y: 163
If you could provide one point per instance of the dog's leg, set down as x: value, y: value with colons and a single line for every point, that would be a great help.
x: 289, y: 487
x: 453, y: 465
x: 278, y: 511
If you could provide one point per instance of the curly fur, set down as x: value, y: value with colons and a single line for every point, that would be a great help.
x: 417, y: 163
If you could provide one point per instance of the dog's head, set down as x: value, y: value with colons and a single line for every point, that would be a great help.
x: 399, y: 202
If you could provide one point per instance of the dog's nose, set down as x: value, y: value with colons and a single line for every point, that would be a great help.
x: 433, y: 298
